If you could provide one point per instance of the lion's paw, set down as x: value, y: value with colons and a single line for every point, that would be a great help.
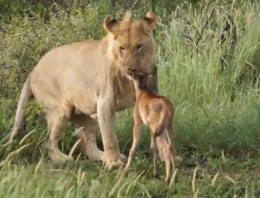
x: 112, y: 164
x: 123, y: 157
x: 58, y: 157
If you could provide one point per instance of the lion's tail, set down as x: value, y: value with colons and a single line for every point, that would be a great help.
x: 25, y: 96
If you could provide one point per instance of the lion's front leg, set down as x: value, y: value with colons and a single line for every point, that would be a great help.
x: 110, y: 143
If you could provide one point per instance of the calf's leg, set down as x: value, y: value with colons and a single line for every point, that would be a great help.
x: 136, y: 138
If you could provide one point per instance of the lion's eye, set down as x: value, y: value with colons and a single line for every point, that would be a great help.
x: 138, y: 47
x: 121, y: 48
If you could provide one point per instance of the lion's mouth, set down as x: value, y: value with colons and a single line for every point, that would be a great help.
x: 130, y: 74
x: 135, y: 71
x: 130, y: 71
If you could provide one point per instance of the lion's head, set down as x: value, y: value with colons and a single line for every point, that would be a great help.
x: 131, y: 42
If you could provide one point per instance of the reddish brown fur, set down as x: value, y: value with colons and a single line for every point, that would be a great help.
x: 157, y: 112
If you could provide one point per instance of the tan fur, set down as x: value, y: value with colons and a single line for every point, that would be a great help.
x: 86, y: 82
x: 157, y: 112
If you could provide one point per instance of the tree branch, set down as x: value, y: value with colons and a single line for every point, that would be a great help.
x: 135, y: 4
x: 206, y: 23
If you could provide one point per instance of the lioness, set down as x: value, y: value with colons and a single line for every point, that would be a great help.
x: 157, y: 112
x: 86, y: 82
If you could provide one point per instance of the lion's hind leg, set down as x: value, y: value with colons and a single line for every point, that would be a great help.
x: 88, y: 136
x: 56, y: 119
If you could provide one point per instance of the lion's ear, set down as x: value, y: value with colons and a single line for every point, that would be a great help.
x: 151, y: 20
x: 111, y: 25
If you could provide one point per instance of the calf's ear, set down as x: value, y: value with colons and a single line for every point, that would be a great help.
x: 111, y: 25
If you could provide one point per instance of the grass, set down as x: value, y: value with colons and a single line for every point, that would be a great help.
x: 215, y: 91
x: 216, y: 177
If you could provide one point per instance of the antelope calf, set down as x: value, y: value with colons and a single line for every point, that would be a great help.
x: 157, y: 112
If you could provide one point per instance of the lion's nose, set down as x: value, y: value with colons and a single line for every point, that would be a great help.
x: 131, y: 63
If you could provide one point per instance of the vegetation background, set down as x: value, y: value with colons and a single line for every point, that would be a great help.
x: 208, y: 58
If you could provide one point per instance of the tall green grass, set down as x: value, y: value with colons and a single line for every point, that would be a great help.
x: 215, y: 107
